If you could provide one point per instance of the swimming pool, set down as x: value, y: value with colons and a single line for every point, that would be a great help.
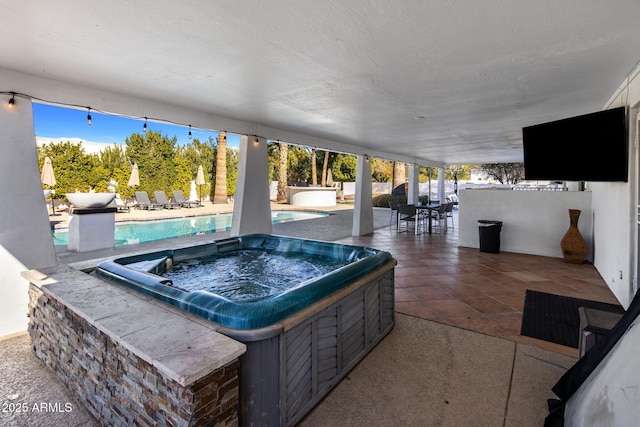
x: 134, y: 232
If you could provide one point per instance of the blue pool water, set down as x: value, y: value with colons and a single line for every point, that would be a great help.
x: 134, y: 232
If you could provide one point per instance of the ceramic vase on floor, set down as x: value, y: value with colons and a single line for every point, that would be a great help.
x: 573, y: 246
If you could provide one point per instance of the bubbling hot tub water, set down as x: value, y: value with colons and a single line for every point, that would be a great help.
x: 250, y: 275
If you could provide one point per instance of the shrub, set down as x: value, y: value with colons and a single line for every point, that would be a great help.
x: 382, y: 201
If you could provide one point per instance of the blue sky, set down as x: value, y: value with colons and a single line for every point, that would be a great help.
x: 59, y: 122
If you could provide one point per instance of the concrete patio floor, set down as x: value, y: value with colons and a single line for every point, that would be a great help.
x: 454, y: 358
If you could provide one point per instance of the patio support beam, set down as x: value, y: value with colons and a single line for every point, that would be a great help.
x: 414, y: 185
x: 441, y: 192
x: 363, y: 209
x: 25, y: 233
x: 252, y: 208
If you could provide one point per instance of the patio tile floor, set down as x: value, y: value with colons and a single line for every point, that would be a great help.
x: 482, y: 292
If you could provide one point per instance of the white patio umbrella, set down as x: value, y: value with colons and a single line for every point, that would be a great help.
x: 48, y: 178
x: 134, y: 179
x: 200, y: 182
x: 329, y: 178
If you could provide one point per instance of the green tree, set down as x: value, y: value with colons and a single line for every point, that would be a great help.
x: 299, y: 164
x: 381, y: 170
x: 71, y: 165
x: 201, y: 153
x: 232, y: 170
x: 504, y: 173
x: 154, y: 155
x: 343, y: 167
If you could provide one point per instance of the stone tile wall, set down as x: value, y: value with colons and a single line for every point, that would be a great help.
x: 116, y: 386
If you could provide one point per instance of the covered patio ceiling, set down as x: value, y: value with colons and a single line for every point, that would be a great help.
x: 438, y: 81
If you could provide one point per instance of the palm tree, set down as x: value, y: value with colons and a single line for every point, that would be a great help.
x: 314, y: 172
x: 399, y: 174
x: 325, y: 164
x: 282, y: 172
x: 220, y: 194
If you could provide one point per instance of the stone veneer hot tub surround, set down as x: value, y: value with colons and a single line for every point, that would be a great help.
x: 128, y: 359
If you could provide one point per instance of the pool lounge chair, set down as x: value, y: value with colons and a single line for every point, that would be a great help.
x: 120, y: 204
x: 162, y: 198
x: 179, y: 197
x: 142, y: 198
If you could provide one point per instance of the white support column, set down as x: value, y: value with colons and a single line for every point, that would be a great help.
x: 363, y: 208
x: 414, y: 184
x: 25, y: 233
x: 441, y: 193
x: 252, y: 208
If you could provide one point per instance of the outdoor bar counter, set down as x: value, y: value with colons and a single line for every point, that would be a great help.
x: 311, y: 196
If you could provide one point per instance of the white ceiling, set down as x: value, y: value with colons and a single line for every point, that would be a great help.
x: 358, y: 72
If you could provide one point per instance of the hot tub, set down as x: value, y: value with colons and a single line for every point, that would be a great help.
x: 301, y: 338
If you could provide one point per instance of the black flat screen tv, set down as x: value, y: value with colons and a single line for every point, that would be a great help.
x: 592, y: 147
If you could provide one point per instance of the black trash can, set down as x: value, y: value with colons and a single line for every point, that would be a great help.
x: 489, y: 235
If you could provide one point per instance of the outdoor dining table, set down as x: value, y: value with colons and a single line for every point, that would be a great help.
x: 429, y: 208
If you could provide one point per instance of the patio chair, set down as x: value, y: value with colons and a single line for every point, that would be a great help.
x: 449, y: 212
x: 407, y: 214
x: 120, y: 204
x: 143, y: 202
x: 179, y: 197
x: 162, y: 198
x: 440, y: 214
x: 393, y: 205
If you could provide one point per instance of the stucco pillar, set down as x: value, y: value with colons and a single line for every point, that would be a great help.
x: 414, y: 184
x: 363, y: 208
x: 26, y: 241
x: 252, y: 208
x: 441, y: 193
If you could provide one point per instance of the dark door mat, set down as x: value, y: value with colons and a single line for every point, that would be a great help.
x: 555, y: 318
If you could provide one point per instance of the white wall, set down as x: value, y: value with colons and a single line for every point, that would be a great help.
x: 534, y: 222
x: 25, y: 234
x: 609, y: 395
x: 615, y: 222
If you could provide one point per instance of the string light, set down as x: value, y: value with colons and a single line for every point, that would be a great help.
x: 11, y: 104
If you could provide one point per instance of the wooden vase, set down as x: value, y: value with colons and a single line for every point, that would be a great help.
x: 573, y: 246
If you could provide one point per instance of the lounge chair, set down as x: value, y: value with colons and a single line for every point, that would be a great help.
x: 142, y: 198
x: 162, y: 198
x: 120, y: 204
x: 179, y: 197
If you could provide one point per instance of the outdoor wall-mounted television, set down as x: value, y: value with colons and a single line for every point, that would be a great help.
x: 592, y: 147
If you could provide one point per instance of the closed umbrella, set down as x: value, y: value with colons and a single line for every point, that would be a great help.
x: 329, y: 178
x: 134, y: 179
x: 48, y: 178
x: 200, y: 182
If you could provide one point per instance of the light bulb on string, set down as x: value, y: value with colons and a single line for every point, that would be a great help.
x: 190, y: 132
x: 12, y: 101
x: 89, y: 121
x: 144, y: 127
